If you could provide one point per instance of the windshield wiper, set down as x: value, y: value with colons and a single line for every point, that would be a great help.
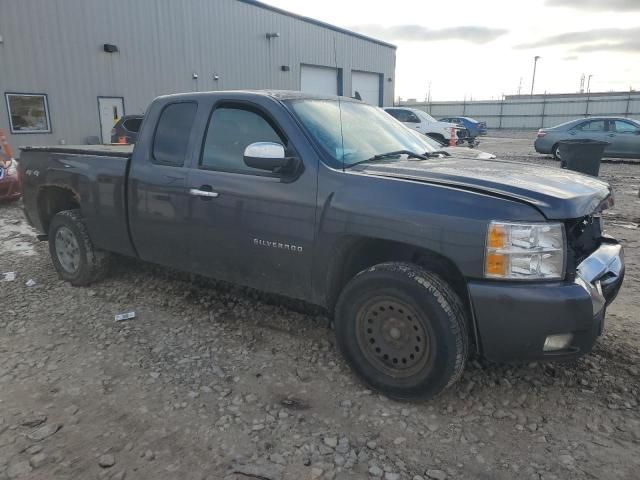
x: 382, y: 156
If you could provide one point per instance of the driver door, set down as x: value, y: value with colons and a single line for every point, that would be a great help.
x: 624, y: 138
x: 250, y: 227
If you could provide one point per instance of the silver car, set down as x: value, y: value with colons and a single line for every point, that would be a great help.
x: 622, y: 134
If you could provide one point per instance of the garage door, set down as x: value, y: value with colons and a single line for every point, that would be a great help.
x: 321, y: 80
x: 367, y: 85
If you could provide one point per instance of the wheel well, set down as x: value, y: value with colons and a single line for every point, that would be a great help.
x: 52, y: 200
x: 438, y: 137
x: 357, y: 254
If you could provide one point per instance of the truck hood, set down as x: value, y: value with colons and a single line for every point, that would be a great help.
x: 558, y: 194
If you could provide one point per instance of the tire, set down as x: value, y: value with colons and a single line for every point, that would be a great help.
x: 402, y: 330
x: 555, y: 151
x: 72, y: 252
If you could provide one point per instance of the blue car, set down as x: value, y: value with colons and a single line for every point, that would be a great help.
x: 474, y: 127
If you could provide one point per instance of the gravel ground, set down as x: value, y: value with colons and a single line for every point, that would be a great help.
x: 209, y: 381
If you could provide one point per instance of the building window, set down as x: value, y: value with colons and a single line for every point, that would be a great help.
x: 28, y: 113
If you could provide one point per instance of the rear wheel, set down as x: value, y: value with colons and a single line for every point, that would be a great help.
x: 72, y: 252
x: 402, y: 330
x: 555, y: 151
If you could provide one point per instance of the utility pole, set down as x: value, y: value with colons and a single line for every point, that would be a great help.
x: 533, y: 79
x: 589, y: 83
x: 582, y: 83
x: 520, y: 86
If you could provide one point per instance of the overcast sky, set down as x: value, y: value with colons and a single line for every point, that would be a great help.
x: 494, y: 42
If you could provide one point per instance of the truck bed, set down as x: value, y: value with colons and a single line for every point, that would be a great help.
x: 92, y: 178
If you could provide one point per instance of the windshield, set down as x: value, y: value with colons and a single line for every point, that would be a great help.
x: 367, y: 131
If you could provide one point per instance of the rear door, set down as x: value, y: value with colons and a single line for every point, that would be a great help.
x: 157, y: 186
x: 592, y: 130
x: 256, y: 228
x: 625, y: 138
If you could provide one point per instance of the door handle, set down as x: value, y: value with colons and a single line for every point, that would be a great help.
x: 203, y: 193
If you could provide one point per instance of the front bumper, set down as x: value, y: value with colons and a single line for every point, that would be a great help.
x: 513, y: 320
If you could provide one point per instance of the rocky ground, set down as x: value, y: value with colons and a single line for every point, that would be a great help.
x: 212, y: 382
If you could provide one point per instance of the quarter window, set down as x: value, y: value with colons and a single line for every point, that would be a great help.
x: 171, y: 139
x: 230, y: 131
x: 594, y: 126
x: 28, y: 113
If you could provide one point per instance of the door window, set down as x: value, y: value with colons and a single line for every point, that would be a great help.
x: 400, y: 115
x: 620, y: 126
x: 171, y: 138
x: 593, y: 126
x: 230, y: 131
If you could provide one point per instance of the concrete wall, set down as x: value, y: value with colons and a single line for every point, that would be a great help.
x: 56, y: 47
x: 538, y: 111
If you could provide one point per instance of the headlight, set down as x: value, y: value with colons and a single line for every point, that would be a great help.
x: 518, y: 251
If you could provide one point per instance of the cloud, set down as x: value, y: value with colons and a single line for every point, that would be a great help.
x: 599, y: 5
x: 627, y: 47
x: 599, y: 39
x: 418, y: 33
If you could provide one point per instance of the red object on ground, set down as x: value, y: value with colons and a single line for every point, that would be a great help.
x: 452, y: 139
x: 10, y: 187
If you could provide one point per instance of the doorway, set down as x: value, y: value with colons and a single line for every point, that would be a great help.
x: 110, y: 109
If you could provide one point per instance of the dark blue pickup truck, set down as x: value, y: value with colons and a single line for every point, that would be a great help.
x: 422, y: 258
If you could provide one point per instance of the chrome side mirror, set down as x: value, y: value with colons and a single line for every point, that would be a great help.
x: 265, y: 156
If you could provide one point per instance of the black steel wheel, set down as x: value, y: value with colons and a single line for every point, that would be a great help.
x: 403, y: 330
x: 392, y: 338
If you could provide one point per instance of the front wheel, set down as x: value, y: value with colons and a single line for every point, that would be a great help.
x: 403, y: 330
x: 72, y: 252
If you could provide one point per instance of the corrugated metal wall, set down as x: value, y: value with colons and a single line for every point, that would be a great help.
x: 537, y: 112
x: 55, y: 47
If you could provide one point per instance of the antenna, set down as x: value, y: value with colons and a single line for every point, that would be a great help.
x: 335, y: 61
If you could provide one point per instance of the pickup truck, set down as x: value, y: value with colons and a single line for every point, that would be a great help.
x: 422, y: 258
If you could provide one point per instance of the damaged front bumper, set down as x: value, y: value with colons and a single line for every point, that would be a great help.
x: 515, y: 321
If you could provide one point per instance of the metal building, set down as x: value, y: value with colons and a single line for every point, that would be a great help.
x: 70, y: 68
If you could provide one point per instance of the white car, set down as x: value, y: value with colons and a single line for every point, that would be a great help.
x: 424, y: 123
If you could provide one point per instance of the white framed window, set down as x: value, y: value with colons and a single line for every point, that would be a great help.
x: 28, y: 112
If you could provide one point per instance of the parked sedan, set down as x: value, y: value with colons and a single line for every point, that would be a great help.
x: 474, y: 127
x: 126, y: 129
x: 622, y: 134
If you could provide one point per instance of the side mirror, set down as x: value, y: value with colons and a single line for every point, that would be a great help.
x: 265, y: 156
x: 637, y: 132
